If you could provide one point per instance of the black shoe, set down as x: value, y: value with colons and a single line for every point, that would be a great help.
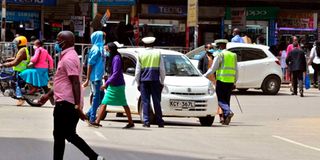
x: 301, y: 95
x: 128, y: 126
x: 293, y: 93
x: 227, y: 119
x: 146, y: 125
x: 94, y: 124
x: 161, y: 126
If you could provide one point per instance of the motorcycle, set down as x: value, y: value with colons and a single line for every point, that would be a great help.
x: 8, y: 88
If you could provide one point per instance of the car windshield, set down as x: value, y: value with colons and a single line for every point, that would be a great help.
x: 179, y: 65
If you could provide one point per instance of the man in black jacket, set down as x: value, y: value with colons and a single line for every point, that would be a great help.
x: 296, y: 61
x: 204, y: 61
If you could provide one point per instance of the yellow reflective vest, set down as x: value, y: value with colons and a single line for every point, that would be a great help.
x: 227, y: 71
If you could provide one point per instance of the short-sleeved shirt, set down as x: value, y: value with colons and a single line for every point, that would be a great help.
x: 237, y: 39
x: 69, y: 65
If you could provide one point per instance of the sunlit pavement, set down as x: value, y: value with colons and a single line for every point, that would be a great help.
x: 270, y: 128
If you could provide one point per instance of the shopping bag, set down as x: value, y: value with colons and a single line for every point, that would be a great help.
x: 307, y: 81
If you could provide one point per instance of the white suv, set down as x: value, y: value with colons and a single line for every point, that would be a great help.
x: 186, y: 92
x: 258, y: 67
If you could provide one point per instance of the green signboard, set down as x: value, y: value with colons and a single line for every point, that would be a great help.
x: 257, y: 13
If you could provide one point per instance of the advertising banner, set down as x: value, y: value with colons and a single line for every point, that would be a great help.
x: 192, y: 18
x: 117, y: 2
x: 291, y: 19
x: 34, y: 2
x: 238, y: 18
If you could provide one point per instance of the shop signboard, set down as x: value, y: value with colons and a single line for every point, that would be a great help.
x: 299, y: 20
x: 117, y: 2
x: 192, y: 18
x: 257, y: 13
x: 238, y: 18
x: 167, y: 10
x: 34, y: 2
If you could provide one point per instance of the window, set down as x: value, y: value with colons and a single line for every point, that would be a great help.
x: 252, y: 54
x: 238, y: 52
x: 129, y: 65
x: 178, y: 65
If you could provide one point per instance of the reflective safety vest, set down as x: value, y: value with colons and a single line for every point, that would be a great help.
x: 24, y: 63
x: 150, y: 65
x: 227, y: 71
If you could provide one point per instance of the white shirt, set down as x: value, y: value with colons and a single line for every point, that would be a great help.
x: 313, y: 56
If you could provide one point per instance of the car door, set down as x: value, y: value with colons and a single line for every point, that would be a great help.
x: 241, y: 69
x: 132, y: 93
x: 254, y: 62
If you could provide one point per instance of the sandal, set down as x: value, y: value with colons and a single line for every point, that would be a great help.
x: 130, y: 125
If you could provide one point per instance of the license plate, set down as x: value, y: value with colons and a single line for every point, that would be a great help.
x: 182, y: 104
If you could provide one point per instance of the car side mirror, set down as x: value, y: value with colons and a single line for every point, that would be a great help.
x: 131, y: 71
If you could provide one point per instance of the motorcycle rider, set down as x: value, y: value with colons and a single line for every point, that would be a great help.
x: 19, y: 63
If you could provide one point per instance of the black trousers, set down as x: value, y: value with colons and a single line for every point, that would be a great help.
x: 66, y: 118
x: 224, y: 91
x: 316, y: 68
x: 297, y: 78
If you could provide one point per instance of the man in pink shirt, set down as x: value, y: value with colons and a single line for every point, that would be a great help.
x: 289, y: 49
x: 67, y: 94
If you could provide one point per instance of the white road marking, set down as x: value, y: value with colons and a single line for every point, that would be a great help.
x: 100, y: 135
x: 296, y: 143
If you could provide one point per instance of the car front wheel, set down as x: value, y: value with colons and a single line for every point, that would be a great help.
x: 271, y: 85
x: 206, y: 121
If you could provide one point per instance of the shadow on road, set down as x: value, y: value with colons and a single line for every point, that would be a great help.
x: 36, y: 149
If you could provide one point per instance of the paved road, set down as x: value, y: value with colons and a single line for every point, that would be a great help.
x: 278, y: 127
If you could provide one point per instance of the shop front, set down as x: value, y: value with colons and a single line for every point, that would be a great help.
x: 258, y: 24
x: 302, y: 24
x: 24, y: 17
x: 168, y: 24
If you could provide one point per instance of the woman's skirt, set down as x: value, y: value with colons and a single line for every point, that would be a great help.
x: 115, y: 96
x: 37, y: 77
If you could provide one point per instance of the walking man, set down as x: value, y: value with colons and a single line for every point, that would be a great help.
x: 296, y: 61
x: 95, y: 72
x: 150, y: 74
x: 68, y: 98
x: 225, y: 66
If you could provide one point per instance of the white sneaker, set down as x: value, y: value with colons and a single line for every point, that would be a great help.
x: 100, y: 158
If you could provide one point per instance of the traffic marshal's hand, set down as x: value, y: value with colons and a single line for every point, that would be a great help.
x: 103, y: 87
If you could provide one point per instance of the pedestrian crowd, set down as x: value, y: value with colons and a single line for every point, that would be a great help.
x: 104, y: 75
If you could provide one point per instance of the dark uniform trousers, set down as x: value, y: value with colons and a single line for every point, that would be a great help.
x: 66, y: 118
x: 224, y: 91
x: 297, y: 79
x: 147, y: 89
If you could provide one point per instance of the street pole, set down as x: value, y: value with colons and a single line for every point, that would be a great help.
x: 3, y: 21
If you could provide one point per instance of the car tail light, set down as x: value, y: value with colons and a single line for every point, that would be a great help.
x: 278, y: 62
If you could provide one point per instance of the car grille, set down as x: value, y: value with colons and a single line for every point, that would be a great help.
x: 189, y: 94
x: 200, y: 105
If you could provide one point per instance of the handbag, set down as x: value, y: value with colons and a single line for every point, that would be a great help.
x: 307, y: 81
x: 31, y: 65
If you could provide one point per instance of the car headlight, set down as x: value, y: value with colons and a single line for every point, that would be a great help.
x: 211, y: 89
x: 165, y: 90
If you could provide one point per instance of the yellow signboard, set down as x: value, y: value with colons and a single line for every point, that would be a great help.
x: 192, y: 18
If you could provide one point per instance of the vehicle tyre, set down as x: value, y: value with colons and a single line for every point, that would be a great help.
x: 206, y: 121
x: 152, y: 118
x: 243, y: 89
x: 271, y: 85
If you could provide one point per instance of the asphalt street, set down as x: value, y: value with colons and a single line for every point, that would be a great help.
x: 280, y: 127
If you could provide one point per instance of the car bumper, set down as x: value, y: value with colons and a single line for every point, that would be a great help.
x: 204, y: 105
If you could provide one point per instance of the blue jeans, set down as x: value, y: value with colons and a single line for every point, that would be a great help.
x: 18, y: 89
x: 96, y: 99
x: 147, y: 89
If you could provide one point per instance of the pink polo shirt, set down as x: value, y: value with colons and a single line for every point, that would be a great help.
x: 42, y: 59
x: 69, y: 65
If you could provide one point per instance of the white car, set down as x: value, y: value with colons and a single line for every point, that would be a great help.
x: 186, y: 92
x: 258, y: 67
